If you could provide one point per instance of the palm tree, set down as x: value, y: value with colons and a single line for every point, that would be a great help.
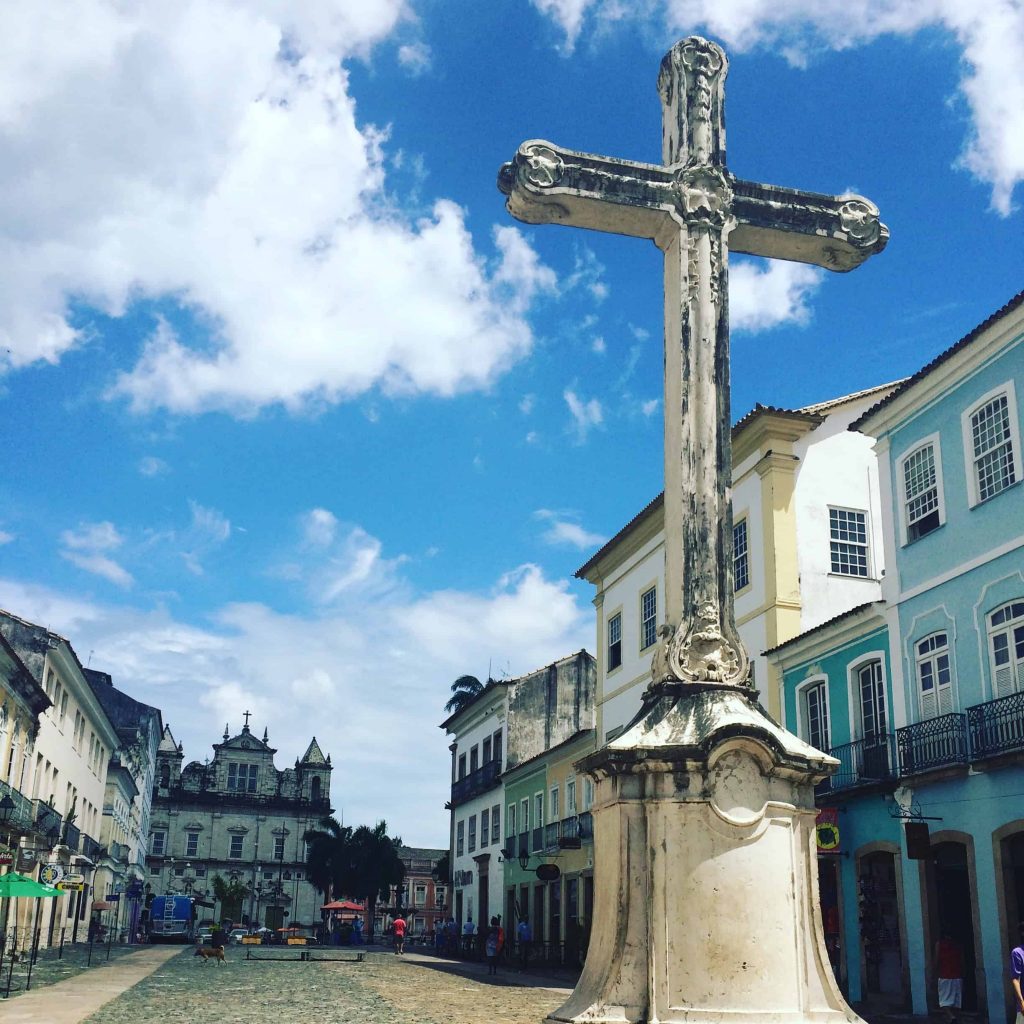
x: 230, y: 894
x: 464, y: 690
x: 376, y: 865
x: 329, y: 857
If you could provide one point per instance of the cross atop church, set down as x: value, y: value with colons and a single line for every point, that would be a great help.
x: 695, y: 210
x: 246, y: 715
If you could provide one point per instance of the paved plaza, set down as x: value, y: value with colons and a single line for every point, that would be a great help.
x: 164, y: 985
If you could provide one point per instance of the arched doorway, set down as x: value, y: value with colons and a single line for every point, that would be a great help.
x: 951, y: 910
x: 883, y: 976
x: 1013, y: 879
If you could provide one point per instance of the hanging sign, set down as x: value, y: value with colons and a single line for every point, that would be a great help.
x: 6, y: 855
x: 826, y: 829
x: 548, y: 872
x: 51, y: 874
x: 70, y: 886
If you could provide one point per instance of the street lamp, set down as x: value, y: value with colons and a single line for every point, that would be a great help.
x: 189, y: 879
x: 7, y: 808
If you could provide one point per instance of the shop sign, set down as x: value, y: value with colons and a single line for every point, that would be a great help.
x: 6, y: 855
x: 71, y: 886
x: 74, y: 876
x: 51, y: 874
x: 826, y: 829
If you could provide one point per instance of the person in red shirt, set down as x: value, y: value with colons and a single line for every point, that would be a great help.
x: 949, y: 967
x: 399, y: 929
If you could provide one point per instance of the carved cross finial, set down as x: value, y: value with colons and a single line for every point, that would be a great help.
x: 245, y: 728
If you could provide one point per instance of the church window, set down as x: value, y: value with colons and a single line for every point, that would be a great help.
x: 157, y: 843
x: 934, y: 677
x: 165, y: 776
x: 922, y: 498
x: 235, y: 853
x: 191, y: 844
x: 278, y: 847
x: 648, y: 617
x: 848, y: 536
x: 1006, y: 645
x: 993, y: 445
x: 314, y: 788
x: 740, y: 556
x: 614, y: 642
x: 242, y: 777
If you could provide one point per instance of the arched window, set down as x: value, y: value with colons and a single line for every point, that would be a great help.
x: 814, y: 714
x: 1006, y: 646
x: 871, y: 700
x: 314, y: 788
x: 934, y: 677
x: 165, y: 776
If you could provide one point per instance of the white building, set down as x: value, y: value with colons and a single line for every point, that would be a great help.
x: 240, y: 818
x: 68, y: 769
x: 807, y: 540
x: 510, y: 721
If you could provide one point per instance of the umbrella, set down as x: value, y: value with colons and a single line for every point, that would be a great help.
x: 13, y: 885
x: 343, y: 905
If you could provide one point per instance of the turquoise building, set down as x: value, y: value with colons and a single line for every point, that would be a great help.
x: 921, y: 695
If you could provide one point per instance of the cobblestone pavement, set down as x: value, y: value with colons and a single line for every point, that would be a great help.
x: 382, y: 990
x: 50, y: 967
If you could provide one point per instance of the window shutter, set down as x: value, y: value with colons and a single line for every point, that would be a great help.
x: 928, y: 705
x: 1004, y: 681
x: 945, y: 694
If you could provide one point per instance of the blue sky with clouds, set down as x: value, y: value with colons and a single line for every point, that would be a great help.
x: 299, y: 420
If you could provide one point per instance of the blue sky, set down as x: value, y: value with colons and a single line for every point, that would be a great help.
x: 300, y: 421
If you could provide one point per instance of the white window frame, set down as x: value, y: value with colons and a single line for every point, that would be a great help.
x: 510, y: 821
x: 570, y: 796
x: 970, y: 469
x: 867, y: 574
x: 648, y: 623
x: 496, y: 824
x: 609, y: 643
x: 743, y: 522
x: 1016, y: 667
x: 853, y: 686
x: 485, y: 827
x: 241, y: 847
x: 943, y: 697
x: 554, y: 804
x: 803, y: 718
x: 460, y: 838
x: 934, y: 441
x: 191, y: 844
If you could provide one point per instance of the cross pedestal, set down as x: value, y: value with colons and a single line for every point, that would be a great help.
x: 706, y: 907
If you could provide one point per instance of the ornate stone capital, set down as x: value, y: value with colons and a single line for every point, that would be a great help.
x: 701, y: 653
x: 860, y: 220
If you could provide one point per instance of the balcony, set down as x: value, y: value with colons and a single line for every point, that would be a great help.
x: 551, y: 835
x: 48, y: 821
x: 71, y: 836
x: 538, y: 839
x: 861, y: 763
x: 996, y: 727
x: 935, y: 743
x: 22, y: 817
x: 476, y: 783
x: 90, y: 848
x: 586, y: 820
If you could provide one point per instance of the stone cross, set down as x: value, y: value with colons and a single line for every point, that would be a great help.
x: 695, y: 210
x: 247, y: 714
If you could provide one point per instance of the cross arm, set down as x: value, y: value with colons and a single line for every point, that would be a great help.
x: 547, y: 184
x: 835, y: 232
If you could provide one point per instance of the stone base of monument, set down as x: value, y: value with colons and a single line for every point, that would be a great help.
x: 706, y: 908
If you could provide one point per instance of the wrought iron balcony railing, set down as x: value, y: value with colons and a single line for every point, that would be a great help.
x: 997, y: 726
x: 23, y: 816
x: 586, y: 821
x: 861, y: 763
x: 48, y: 821
x: 476, y: 783
x: 71, y: 836
x: 538, y: 838
x: 933, y: 743
x: 552, y: 834
x: 91, y: 849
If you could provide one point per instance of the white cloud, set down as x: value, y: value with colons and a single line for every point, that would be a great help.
x: 563, y: 529
x: 366, y: 668
x: 5, y: 537
x: 416, y: 58
x: 769, y: 293
x: 150, y: 465
x: 598, y: 346
x: 585, y: 414
x: 990, y: 34
x: 650, y: 407
x: 89, y: 548
x: 319, y: 527
x: 526, y: 404
x: 218, y: 162
x: 208, y: 530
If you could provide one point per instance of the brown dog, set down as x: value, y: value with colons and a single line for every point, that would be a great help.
x: 210, y: 953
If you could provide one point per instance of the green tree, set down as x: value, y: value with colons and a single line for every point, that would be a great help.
x: 464, y: 690
x: 230, y: 893
x: 443, y: 869
x: 376, y: 865
x: 329, y: 857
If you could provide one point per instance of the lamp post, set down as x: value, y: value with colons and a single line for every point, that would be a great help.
x: 188, y: 880
x: 254, y: 889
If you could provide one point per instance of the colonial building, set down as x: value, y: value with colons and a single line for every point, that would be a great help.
x: 64, y: 771
x: 22, y: 701
x: 806, y: 546
x: 241, y: 818
x: 510, y: 721
x: 421, y: 898
x: 127, y: 803
x: 921, y: 695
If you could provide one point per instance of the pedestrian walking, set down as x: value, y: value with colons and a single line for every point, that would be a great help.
x: 468, y: 931
x: 524, y: 936
x: 492, y: 945
x: 949, y: 966
x: 399, y: 930
x: 1016, y: 970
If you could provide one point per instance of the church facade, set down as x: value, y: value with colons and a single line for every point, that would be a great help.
x: 238, y: 817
